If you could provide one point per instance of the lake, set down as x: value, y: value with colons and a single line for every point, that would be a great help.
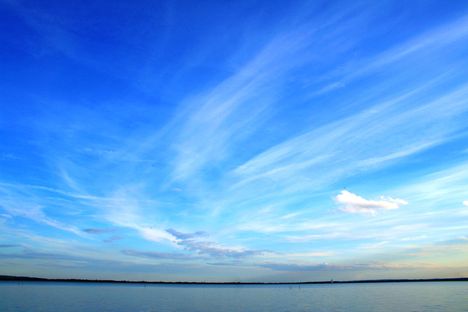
x: 401, y: 297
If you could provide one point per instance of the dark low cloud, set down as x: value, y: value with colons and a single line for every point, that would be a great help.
x: 158, y: 255
x: 98, y: 230
x: 214, y: 250
x: 192, y: 242
x: 234, y: 262
x: 8, y: 245
x: 184, y: 236
x: 102, y: 231
x: 112, y: 239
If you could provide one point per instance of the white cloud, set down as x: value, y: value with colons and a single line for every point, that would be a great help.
x: 154, y: 235
x: 465, y: 203
x: 353, y: 203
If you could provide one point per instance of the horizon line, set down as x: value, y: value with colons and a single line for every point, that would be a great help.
x: 14, y: 278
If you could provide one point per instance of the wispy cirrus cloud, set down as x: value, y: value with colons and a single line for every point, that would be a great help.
x: 210, y: 127
x: 435, y: 39
x: 353, y: 203
x: 226, y: 114
x: 438, y: 186
x: 24, y: 208
x: 355, y: 144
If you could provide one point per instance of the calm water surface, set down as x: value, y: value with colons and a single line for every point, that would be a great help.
x: 35, y: 296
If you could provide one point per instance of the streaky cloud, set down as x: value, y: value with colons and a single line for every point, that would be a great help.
x: 159, y: 255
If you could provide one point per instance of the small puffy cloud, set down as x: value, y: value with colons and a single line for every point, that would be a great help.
x: 465, y: 203
x: 353, y: 203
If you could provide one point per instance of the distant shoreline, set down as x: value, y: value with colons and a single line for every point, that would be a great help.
x: 71, y: 280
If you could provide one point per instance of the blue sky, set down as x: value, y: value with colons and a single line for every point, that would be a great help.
x: 242, y: 141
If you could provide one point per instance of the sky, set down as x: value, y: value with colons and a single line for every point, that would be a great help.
x: 234, y: 140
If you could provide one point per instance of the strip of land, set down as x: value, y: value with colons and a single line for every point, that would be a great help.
x: 72, y: 280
